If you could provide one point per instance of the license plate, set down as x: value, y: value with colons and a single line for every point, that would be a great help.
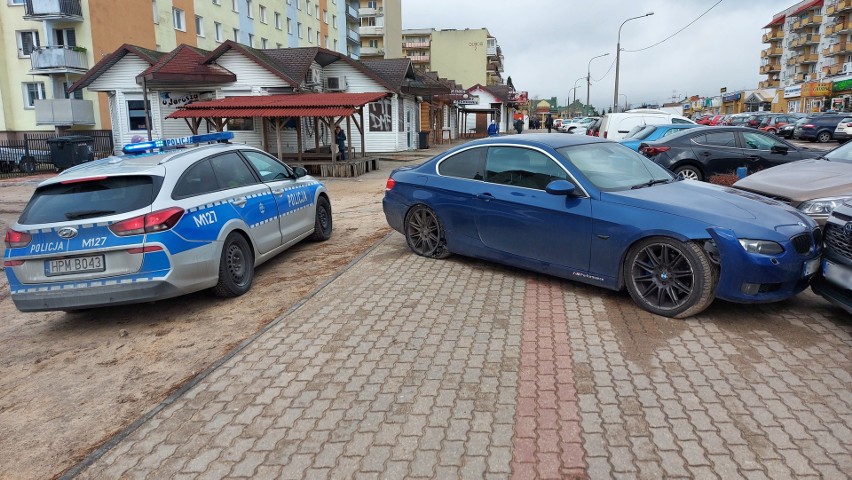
x: 838, y: 274
x: 811, y: 267
x: 67, y: 266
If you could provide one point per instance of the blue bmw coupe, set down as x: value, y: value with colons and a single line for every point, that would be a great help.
x: 591, y: 210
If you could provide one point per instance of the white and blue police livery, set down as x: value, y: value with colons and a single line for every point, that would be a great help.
x: 150, y: 225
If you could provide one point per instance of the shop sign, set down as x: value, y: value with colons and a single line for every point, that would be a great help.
x: 816, y: 89
x: 792, y: 92
x: 471, y: 100
x: 842, y: 85
x: 732, y: 97
x: 179, y: 99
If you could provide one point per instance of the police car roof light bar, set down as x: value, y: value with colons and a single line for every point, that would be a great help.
x: 166, y: 143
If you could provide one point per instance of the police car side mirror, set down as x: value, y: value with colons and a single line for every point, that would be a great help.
x: 300, y: 172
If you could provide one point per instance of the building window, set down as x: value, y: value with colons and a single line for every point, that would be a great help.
x: 251, y: 40
x: 325, y: 16
x: 66, y: 37
x: 316, y: 11
x: 373, y: 43
x: 334, y: 19
x: 335, y: 45
x: 371, y: 4
x: 77, y: 95
x: 237, y: 35
x: 263, y: 18
x: 319, y: 38
x: 156, y: 12
x: 277, y: 21
x: 298, y: 4
x: 325, y: 44
x: 179, y: 19
x: 199, y: 26
x: 299, y: 29
x: 136, y: 115
x: 217, y: 2
x: 240, y: 125
x: 264, y: 43
x: 33, y: 91
x: 249, y: 13
x: 218, y: 28
x: 368, y: 22
x: 27, y: 42
x: 278, y: 45
x: 235, y: 5
x: 289, y: 26
x: 17, y: 2
x: 310, y: 35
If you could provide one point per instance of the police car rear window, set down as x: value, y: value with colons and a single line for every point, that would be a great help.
x: 90, y: 200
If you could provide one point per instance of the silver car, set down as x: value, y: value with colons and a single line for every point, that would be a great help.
x: 145, y: 227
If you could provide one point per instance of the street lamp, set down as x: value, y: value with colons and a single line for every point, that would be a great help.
x: 589, y: 77
x: 625, y: 99
x: 575, y: 92
x: 618, y: 59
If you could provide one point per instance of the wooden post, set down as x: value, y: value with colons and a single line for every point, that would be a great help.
x: 316, y: 134
x: 363, y: 127
x: 278, y: 126
x: 263, y: 123
x: 299, y: 137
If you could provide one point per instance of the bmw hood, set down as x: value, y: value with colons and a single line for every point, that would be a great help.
x: 716, y: 205
x: 802, y: 180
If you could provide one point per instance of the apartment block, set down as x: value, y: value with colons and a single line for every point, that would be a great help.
x: 470, y: 56
x: 49, y: 44
x: 381, y: 29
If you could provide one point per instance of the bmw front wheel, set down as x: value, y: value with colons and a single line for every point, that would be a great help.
x: 670, y: 278
x: 236, y: 267
x: 424, y: 233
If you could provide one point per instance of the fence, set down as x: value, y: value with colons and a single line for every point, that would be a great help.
x: 31, y: 155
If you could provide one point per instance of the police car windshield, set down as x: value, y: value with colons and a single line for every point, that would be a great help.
x: 61, y: 202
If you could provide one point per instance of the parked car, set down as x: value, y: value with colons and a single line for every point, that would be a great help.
x: 834, y: 282
x: 843, y: 131
x: 818, y: 128
x: 138, y: 228
x: 738, y: 120
x: 557, y: 123
x: 573, y: 125
x: 787, y: 130
x: 674, y: 245
x: 714, y: 120
x: 16, y: 159
x: 702, y: 120
x: 615, y: 125
x: 814, y: 186
x: 773, y: 123
x: 650, y: 133
x: 754, y: 119
x: 699, y: 153
x: 594, y: 128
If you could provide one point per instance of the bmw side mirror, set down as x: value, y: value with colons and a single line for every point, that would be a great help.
x: 780, y: 149
x: 561, y: 187
x: 299, y: 172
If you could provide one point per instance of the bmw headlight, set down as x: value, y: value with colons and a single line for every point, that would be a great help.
x: 764, y: 247
x: 822, y: 206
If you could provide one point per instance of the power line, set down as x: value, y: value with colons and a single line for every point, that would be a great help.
x: 675, y: 33
x: 605, y: 74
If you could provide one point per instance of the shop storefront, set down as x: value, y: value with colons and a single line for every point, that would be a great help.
x: 793, y: 96
x: 732, y: 102
x: 815, y: 97
x: 841, y: 96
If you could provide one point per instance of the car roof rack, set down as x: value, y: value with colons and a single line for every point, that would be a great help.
x: 164, y: 144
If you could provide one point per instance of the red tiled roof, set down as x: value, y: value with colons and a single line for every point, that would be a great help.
x: 809, y: 5
x: 184, y: 64
x: 264, y: 112
x: 779, y: 20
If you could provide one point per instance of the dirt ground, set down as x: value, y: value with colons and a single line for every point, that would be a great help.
x: 70, y: 381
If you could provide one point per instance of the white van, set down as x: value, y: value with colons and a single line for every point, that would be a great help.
x: 616, y: 125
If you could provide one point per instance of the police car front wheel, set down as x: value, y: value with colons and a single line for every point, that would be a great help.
x: 322, y: 222
x: 236, y: 267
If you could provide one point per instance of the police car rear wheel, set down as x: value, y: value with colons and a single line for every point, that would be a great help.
x: 322, y: 223
x: 236, y: 267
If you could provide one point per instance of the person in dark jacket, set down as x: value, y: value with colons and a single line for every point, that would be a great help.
x: 519, y: 125
x: 340, y: 139
x: 549, y: 123
x: 492, y: 129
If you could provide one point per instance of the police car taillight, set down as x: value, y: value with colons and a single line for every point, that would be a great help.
x: 391, y: 183
x: 15, y: 239
x: 158, y: 221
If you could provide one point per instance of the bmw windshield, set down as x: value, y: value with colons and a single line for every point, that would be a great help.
x: 611, y: 166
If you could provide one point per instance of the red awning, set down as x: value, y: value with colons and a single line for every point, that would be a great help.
x: 809, y: 5
x: 263, y: 112
x: 779, y: 20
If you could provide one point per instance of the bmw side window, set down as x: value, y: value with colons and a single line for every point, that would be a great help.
x: 231, y: 171
x: 720, y: 139
x: 521, y: 167
x: 267, y: 167
x: 198, y: 179
x: 466, y: 164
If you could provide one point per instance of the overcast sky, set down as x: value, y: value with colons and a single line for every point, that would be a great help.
x: 547, y: 44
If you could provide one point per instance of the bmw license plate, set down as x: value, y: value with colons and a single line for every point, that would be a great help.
x: 811, y: 267
x: 67, y: 266
x: 839, y: 274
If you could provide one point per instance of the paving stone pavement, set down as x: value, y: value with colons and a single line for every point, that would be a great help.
x: 406, y: 367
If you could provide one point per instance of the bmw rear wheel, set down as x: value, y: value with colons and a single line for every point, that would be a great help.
x: 689, y: 172
x: 670, y: 278
x: 424, y: 233
x: 322, y: 222
x: 236, y: 267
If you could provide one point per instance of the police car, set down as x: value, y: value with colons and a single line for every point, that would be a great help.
x: 156, y: 223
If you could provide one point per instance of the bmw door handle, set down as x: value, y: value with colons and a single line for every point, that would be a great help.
x: 485, y: 196
x: 240, y: 202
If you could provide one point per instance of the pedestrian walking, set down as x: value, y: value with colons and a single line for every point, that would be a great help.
x: 492, y: 129
x: 519, y: 125
x: 549, y: 123
x: 340, y: 139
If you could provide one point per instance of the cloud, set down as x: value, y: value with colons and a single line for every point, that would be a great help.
x: 547, y: 44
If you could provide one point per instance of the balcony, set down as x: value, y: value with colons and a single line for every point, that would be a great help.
x: 415, y: 44
x: 802, y: 77
x: 806, y: 58
x: 769, y: 84
x: 371, y: 12
x: 773, y: 36
x: 838, y: 7
x: 839, y: 48
x: 492, y: 50
x: 64, y: 112
x: 352, y: 12
x: 841, y: 28
x: 809, y: 21
x: 58, y: 59
x: 833, y: 69
x: 353, y: 37
x: 372, y: 51
x: 371, y: 31
x: 419, y: 58
x: 770, y: 68
x: 771, y: 52
x: 67, y: 10
x: 794, y: 60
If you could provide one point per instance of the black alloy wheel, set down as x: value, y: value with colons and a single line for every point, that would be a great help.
x: 424, y: 233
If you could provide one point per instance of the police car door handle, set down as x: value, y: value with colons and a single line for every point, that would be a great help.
x: 279, y: 191
x: 240, y: 202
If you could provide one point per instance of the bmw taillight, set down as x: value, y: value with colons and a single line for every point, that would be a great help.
x: 15, y: 239
x: 650, y: 151
x: 390, y: 184
x: 153, y: 222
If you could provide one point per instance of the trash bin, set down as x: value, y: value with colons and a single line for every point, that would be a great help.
x: 424, y: 139
x: 70, y: 150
